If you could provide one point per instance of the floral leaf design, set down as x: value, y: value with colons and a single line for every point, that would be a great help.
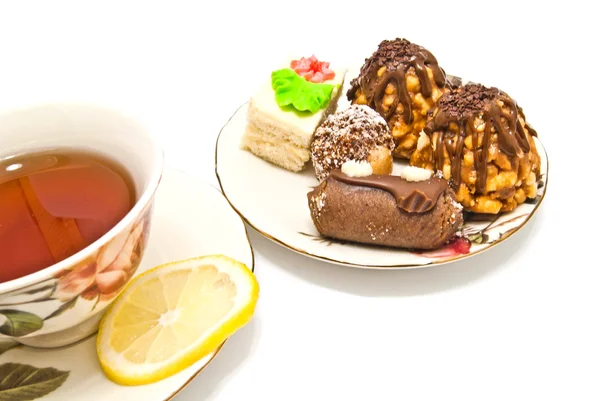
x: 533, y: 201
x: 323, y: 240
x: 25, y: 382
x: 47, y: 287
x: 490, y: 227
x: 6, y: 344
x: 40, y: 292
x: 63, y: 308
x: 96, y: 302
x: 19, y: 323
x: 479, y: 237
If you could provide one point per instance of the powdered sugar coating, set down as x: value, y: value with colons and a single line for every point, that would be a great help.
x: 349, y: 134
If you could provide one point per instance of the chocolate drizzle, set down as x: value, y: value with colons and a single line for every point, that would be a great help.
x: 397, y: 56
x: 412, y: 197
x: 462, y: 106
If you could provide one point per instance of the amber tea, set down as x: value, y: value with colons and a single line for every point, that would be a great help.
x: 55, y: 203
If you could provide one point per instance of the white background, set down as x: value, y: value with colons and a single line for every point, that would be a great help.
x: 517, y: 322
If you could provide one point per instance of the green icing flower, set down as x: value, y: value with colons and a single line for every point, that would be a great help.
x: 293, y: 90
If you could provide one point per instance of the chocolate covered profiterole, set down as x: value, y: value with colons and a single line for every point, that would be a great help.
x: 402, y: 81
x: 386, y: 210
x: 479, y: 139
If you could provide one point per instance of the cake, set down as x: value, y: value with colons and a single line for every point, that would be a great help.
x: 479, y: 139
x: 285, y: 111
x: 402, y: 81
x: 414, y: 211
x: 357, y: 134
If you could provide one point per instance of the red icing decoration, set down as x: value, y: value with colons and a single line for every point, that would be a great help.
x: 312, y: 69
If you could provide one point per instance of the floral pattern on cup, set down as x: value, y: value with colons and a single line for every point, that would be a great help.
x: 95, y: 281
x: 105, y: 276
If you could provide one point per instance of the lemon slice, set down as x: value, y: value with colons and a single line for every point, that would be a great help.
x: 172, y: 316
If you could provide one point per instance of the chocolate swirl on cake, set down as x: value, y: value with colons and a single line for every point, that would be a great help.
x: 397, y: 56
x: 385, y: 210
x: 412, y: 197
x: 462, y: 107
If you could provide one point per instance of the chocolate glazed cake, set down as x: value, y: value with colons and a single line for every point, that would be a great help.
x: 402, y: 81
x: 385, y: 210
x: 479, y: 139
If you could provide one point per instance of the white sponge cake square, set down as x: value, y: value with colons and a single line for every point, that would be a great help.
x: 282, y: 136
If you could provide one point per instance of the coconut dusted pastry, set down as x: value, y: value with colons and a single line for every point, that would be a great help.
x: 356, y: 134
x: 479, y: 139
x: 402, y: 81
x: 386, y: 210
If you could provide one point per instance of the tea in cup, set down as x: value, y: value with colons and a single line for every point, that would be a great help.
x: 77, y: 185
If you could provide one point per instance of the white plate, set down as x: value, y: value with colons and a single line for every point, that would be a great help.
x: 192, y: 218
x: 273, y: 201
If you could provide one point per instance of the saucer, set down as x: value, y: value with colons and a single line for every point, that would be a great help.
x: 191, y: 218
x: 274, y: 202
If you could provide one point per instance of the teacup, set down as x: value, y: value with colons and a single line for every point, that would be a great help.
x: 63, y: 303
